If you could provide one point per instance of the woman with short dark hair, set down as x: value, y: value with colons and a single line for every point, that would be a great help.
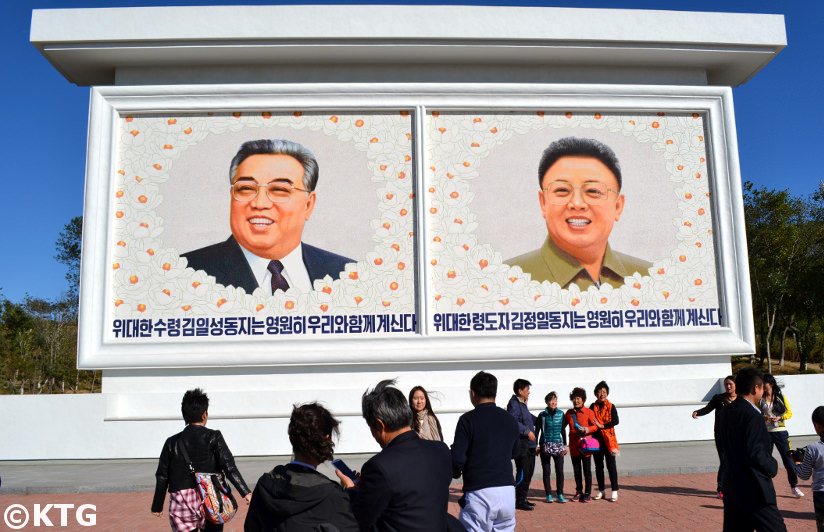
x: 208, y: 453
x: 581, y: 423
x: 295, y: 496
x: 717, y: 403
x: 606, y: 417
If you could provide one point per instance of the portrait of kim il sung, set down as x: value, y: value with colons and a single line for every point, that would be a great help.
x: 580, y: 200
x: 272, y: 195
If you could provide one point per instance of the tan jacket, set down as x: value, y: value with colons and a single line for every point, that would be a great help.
x: 549, y: 263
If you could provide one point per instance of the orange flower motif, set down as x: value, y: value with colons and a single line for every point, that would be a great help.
x: 404, y: 212
x: 632, y: 122
x: 390, y: 196
x: 701, y: 138
x: 236, y: 114
x: 168, y: 147
x: 116, y: 266
x: 118, y: 194
x: 701, y: 211
x: 483, y: 263
x: 150, y: 251
x: 575, y: 301
x: 378, y: 261
x: 636, y: 285
x: 118, y: 302
x: 698, y: 244
x: 696, y: 115
x: 460, y: 301
x: 436, y: 114
x: 476, y: 120
x: 457, y: 221
x: 433, y: 210
x: 259, y: 307
x: 635, y: 302
x: 221, y: 302
x: 324, y: 307
x: 436, y: 239
x: 568, y: 115
x: 474, y: 145
x: 266, y: 115
x: 666, y: 294
x: 167, y: 291
x: 187, y: 131
x: 540, y: 113
x: 141, y: 307
x: 438, y: 297
x: 466, y: 164
x: 134, y: 132
x: 129, y: 118
x: 513, y: 279
x: 698, y: 175
x: 121, y: 243
x: 119, y: 214
x: 289, y: 305
x: 396, y: 247
x: 485, y: 287
x: 411, y: 195
x: 121, y: 172
x: 682, y: 258
x: 386, y: 303
x: 451, y: 274
x: 660, y: 271
x: 383, y: 167
x: 688, y: 195
x: 401, y: 175
x: 195, y: 284
x: 698, y: 282
x: 493, y: 130
x: 536, y: 297
x: 358, y: 123
x: 655, y: 125
x: 393, y: 285
x: 442, y: 129
x: 504, y: 301
x: 297, y: 114
x: 144, y: 224
x: 187, y: 308
x: 454, y: 195
x: 327, y: 289
x: 374, y: 140
x: 156, y: 166
x: 138, y: 178
x: 166, y: 266
x: 669, y: 142
x: 661, y: 114
x: 692, y: 299
x: 604, y: 300
x: 433, y: 262
x: 386, y: 225
x: 401, y: 266
x: 334, y: 119
x: 466, y: 248
x: 450, y: 176
x: 358, y: 300
x: 353, y: 275
x: 407, y: 158
x: 680, y: 167
x: 598, y: 116
x: 404, y: 113
x: 133, y: 279
x: 688, y: 223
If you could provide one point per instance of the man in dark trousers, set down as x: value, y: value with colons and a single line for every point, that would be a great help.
x: 486, y: 441
x: 749, y: 495
x: 525, y: 462
x: 405, y: 487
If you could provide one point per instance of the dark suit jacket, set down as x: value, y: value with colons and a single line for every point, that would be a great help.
x: 750, y: 466
x: 227, y: 264
x: 405, y: 487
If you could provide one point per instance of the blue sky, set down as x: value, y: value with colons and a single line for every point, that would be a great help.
x: 44, y: 139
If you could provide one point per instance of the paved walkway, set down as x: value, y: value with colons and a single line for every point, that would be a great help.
x: 663, y: 487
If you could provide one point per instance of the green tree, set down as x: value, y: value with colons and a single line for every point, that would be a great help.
x: 68, y: 246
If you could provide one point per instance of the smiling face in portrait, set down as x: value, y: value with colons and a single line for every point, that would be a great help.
x: 266, y: 228
x: 581, y: 225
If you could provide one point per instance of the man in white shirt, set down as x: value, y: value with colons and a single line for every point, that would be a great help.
x: 272, y: 194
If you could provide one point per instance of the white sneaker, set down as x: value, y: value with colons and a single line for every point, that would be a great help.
x: 614, y: 495
x: 797, y: 492
x: 598, y: 496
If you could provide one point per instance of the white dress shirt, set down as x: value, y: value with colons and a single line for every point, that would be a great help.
x: 293, y: 270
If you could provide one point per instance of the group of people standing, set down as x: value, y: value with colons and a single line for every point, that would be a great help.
x: 546, y: 436
x: 775, y: 409
x: 406, y: 485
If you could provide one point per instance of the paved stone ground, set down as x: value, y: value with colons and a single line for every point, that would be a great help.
x: 661, y: 503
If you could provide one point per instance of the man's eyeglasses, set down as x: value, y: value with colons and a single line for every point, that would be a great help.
x: 245, y: 189
x: 592, y: 192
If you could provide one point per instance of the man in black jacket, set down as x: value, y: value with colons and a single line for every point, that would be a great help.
x: 525, y: 461
x: 405, y: 487
x: 749, y: 495
x: 486, y: 441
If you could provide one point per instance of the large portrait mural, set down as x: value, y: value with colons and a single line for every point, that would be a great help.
x: 351, y: 232
x: 542, y: 221
x: 263, y: 224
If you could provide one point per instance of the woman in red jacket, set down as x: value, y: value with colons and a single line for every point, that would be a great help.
x: 581, y: 422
